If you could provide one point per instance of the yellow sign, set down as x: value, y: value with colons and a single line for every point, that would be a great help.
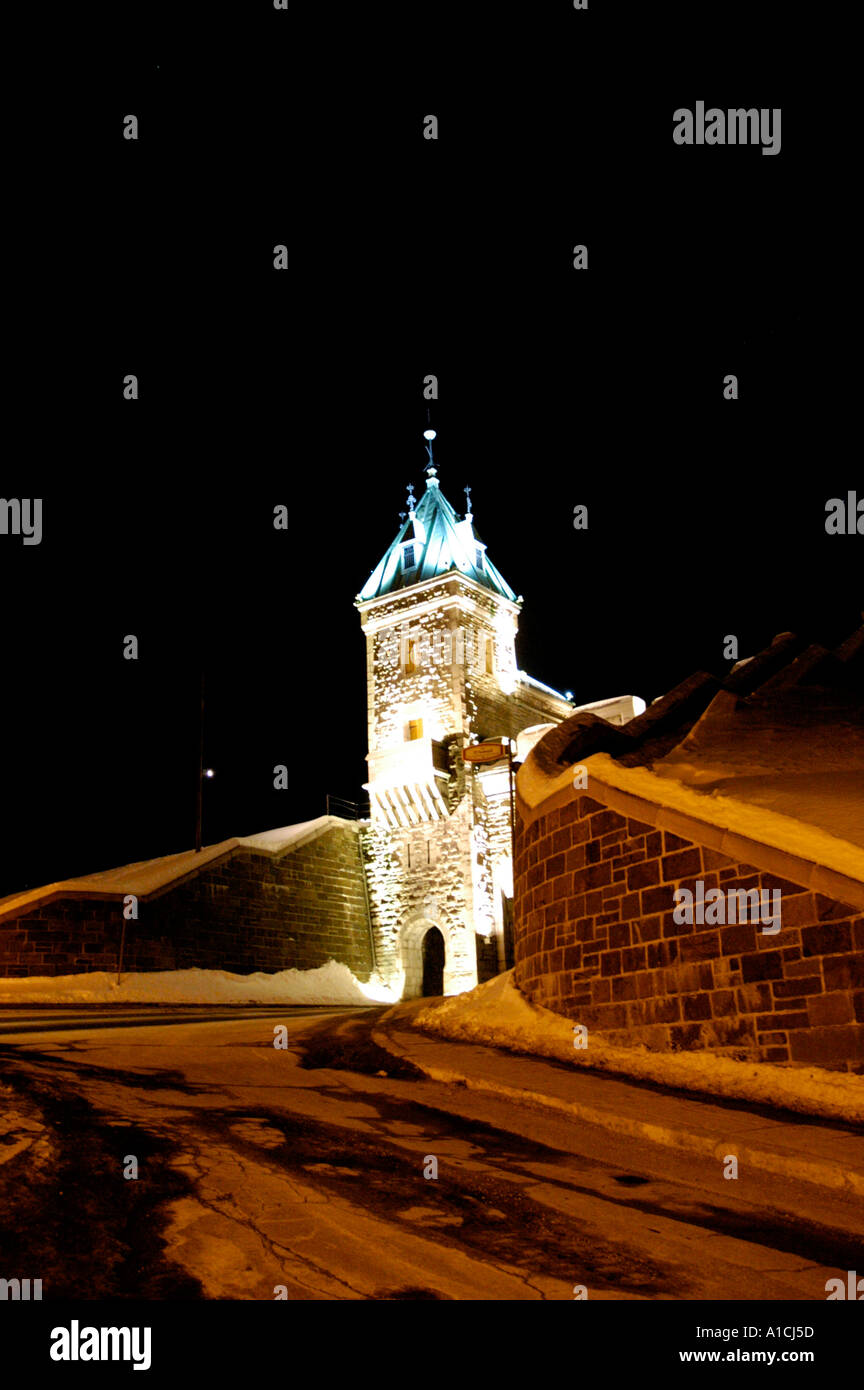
x: 484, y: 752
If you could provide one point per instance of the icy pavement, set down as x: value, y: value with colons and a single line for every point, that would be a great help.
x: 777, y: 1146
x: 306, y: 1173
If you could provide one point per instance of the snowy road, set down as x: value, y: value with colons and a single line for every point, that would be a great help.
x: 262, y: 1170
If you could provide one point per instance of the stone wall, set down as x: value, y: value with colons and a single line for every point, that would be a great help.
x: 498, y: 714
x: 596, y: 940
x: 420, y: 877
x: 398, y: 692
x: 247, y: 912
x: 453, y: 627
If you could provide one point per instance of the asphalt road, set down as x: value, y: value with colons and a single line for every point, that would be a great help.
x: 309, y: 1172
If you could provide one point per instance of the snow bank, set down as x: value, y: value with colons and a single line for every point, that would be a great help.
x: 332, y: 983
x: 498, y: 1015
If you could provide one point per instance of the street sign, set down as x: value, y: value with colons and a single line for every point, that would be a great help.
x: 484, y: 752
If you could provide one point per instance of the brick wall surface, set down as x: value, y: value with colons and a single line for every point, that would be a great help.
x: 245, y: 913
x: 596, y: 940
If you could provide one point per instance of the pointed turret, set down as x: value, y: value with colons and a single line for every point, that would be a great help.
x: 433, y: 541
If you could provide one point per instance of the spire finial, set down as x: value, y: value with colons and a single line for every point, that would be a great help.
x: 411, y: 500
x: 468, y: 504
x: 431, y: 470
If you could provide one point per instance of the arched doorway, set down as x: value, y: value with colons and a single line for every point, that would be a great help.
x: 413, y: 953
x: 433, y: 963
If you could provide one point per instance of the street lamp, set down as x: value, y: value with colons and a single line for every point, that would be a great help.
x: 493, y: 751
x: 203, y: 771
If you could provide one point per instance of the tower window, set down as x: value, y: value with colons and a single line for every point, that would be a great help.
x: 478, y: 562
x: 413, y: 729
x: 410, y: 662
x: 490, y: 657
x: 408, y: 557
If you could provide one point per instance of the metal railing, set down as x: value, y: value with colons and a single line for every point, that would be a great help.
x: 347, y: 810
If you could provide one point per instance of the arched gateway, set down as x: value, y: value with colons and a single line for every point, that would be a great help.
x: 424, y: 952
x: 433, y: 963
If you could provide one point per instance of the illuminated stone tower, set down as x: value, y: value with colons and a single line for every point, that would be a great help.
x: 440, y: 624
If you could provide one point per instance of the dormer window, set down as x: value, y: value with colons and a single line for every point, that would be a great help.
x: 478, y: 560
x: 408, y: 557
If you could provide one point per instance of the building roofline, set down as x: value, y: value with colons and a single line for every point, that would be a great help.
x: 541, y: 685
x: 424, y: 585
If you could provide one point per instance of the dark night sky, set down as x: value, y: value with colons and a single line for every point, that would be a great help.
x: 407, y: 257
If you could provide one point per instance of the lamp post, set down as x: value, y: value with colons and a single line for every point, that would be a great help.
x: 199, y: 804
x: 202, y: 772
x: 511, y: 778
x: 493, y: 751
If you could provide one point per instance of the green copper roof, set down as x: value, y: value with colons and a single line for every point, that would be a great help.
x: 437, y: 542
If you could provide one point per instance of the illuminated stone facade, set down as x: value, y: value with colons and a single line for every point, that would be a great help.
x: 440, y: 625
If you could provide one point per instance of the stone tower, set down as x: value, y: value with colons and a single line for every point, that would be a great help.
x: 441, y: 672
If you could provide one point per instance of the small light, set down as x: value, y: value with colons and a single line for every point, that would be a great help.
x: 208, y: 772
x: 568, y: 694
x: 430, y: 434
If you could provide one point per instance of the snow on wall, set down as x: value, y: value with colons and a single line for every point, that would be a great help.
x: 151, y: 875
